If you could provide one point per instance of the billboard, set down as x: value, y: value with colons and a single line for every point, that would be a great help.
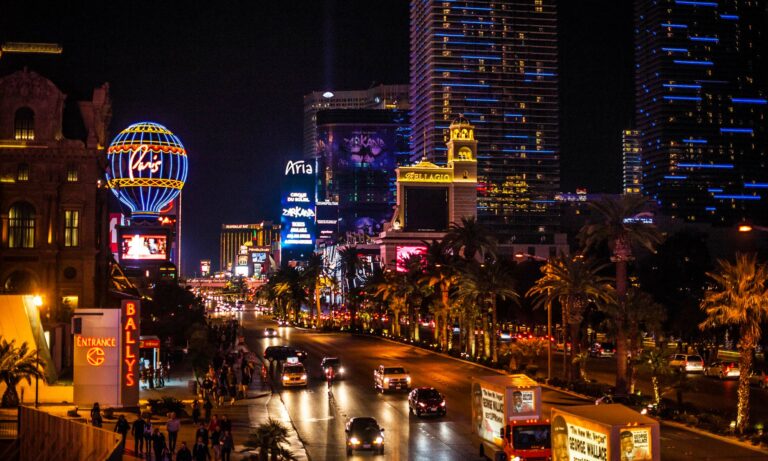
x: 403, y: 253
x: 142, y: 247
x: 297, y: 219
x: 487, y: 411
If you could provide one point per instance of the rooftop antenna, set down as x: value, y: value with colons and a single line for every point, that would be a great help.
x: 30, y: 48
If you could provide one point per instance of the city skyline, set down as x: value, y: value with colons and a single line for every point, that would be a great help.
x: 238, y: 106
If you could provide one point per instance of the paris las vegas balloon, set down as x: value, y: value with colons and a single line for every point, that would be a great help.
x: 147, y: 167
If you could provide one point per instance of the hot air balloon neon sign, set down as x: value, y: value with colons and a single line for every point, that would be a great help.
x: 147, y: 168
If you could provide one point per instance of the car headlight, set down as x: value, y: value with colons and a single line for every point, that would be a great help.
x: 304, y: 377
x: 442, y: 404
x: 285, y: 378
x: 378, y: 440
x: 354, y: 441
x: 386, y: 380
x: 408, y: 378
x: 422, y: 404
x: 341, y: 370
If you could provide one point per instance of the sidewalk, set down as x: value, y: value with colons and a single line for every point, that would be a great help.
x: 245, y: 414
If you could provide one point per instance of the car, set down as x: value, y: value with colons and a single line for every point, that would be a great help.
x: 389, y: 378
x: 364, y: 433
x: 426, y: 400
x: 689, y: 363
x: 270, y: 332
x: 294, y: 374
x: 335, y: 364
x: 759, y: 378
x: 283, y: 353
x: 602, y: 350
x: 722, y: 369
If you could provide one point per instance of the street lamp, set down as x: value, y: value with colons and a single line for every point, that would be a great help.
x: 37, y: 301
x: 549, y: 317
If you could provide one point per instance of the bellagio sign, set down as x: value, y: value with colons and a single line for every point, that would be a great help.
x: 106, y: 355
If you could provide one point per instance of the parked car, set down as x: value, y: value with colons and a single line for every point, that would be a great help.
x: 689, y: 363
x: 364, y: 433
x: 723, y: 369
x: 602, y: 350
x: 426, y: 400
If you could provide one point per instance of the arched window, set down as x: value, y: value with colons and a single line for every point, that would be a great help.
x: 24, y: 125
x: 21, y: 226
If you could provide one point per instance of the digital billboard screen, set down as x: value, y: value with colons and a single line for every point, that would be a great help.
x: 140, y: 247
x: 297, y: 219
x: 426, y: 209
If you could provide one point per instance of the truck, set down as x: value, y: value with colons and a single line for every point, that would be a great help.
x: 610, y: 432
x: 387, y: 378
x: 507, y: 416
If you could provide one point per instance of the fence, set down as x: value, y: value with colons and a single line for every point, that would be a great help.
x: 43, y: 436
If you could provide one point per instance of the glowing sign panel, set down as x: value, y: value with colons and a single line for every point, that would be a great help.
x: 298, y: 205
x: 143, y: 247
x: 147, y: 168
x: 404, y: 253
x: 130, y: 346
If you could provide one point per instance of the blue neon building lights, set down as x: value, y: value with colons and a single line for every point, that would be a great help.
x: 749, y: 100
x: 147, y: 168
x: 736, y: 130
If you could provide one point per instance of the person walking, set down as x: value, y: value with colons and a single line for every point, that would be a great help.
x: 184, y: 454
x: 227, y: 445
x: 202, y: 434
x: 96, y: 415
x: 122, y: 427
x: 200, y: 451
x: 207, y: 406
x: 195, y: 411
x: 148, y: 436
x: 225, y: 424
x: 158, y: 443
x: 216, y: 443
x: 137, y: 431
x: 172, y: 426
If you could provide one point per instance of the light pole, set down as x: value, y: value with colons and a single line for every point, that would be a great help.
x: 37, y: 301
x: 549, y: 316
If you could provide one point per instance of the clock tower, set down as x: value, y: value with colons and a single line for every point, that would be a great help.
x: 462, y: 158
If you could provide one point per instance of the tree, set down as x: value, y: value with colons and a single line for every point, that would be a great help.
x: 390, y: 290
x: 574, y: 282
x: 643, y: 314
x: 350, y: 264
x: 16, y: 364
x: 312, y: 278
x: 483, y: 285
x: 468, y: 238
x: 200, y: 350
x: 269, y: 438
x: 620, y: 225
x: 740, y: 299
x: 440, y: 274
x: 657, y: 363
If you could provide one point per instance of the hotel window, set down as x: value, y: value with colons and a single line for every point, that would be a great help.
x: 22, y: 174
x: 72, y: 173
x: 71, y: 228
x: 24, y: 125
x: 21, y: 226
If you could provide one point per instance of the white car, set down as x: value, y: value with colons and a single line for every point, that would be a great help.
x: 391, y: 378
x: 689, y: 363
x: 270, y: 332
x: 723, y: 370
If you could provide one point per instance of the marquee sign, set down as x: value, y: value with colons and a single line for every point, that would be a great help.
x: 130, y: 351
x: 298, y: 211
x: 426, y: 176
x: 147, y: 168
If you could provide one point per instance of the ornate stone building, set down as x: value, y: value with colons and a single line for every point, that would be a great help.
x: 51, y: 204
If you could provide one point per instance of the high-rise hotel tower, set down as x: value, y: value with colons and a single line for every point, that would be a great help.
x: 495, y: 62
x: 700, y: 85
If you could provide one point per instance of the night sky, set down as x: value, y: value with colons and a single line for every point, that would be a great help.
x: 228, y: 79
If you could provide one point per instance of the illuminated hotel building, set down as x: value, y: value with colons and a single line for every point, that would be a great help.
x: 234, y: 236
x: 495, y: 63
x: 631, y: 162
x: 700, y: 86
x: 377, y: 97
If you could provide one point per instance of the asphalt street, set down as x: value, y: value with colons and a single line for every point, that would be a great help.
x: 319, y: 420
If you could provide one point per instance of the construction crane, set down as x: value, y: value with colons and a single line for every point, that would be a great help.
x: 30, y: 48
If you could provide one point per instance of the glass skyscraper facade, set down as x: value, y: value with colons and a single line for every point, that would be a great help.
x: 495, y: 62
x: 631, y: 162
x: 700, y: 83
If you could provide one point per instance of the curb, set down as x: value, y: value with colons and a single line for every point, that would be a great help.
x: 721, y: 438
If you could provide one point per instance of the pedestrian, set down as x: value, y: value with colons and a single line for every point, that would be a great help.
x: 137, y: 431
x: 216, y: 443
x: 214, y: 423
x: 96, y: 415
x: 231, y: 385
x: 184, y: 454
x: 207, y: 406
x: 148, y: 435
x: 151, y: 377
x: 202, y: 434
x: 167, y: 454
x: 122, y: 427
x: 227, y: 445
x: 200, y: 451
x: 225, y: 423
x: 158, y: 443
x: 172, y: 426
x: 195, y: 411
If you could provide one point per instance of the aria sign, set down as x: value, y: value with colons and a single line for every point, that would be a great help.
x: 298, y: 211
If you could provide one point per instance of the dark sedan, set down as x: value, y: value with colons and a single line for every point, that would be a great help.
x: 426, y: 400
x: 364, y: 433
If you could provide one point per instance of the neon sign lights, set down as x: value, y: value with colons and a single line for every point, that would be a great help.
x: 95, y: 356
x: 130, y: 341
x: 298, y: 167
x: 298, y: 205
x: 147, y: 168
x: 413, y: 176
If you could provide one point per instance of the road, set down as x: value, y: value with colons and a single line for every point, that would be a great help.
x: 320, y: 420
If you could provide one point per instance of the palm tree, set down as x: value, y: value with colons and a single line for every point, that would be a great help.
x: 440, y: 274
x: 643, y: 315
x: 574, y: 282
x: 658, y: 364
x: 483, y: 285
x: 468, y: 238
x: 312, y: 278
x: 289, y: 291
x: 620, y: 225
x: 269, y: 438
x: 16, y: 364
x: 740, y: 300
x: 390, y: 290
x: 414, y: 292
x: 350, y: 264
